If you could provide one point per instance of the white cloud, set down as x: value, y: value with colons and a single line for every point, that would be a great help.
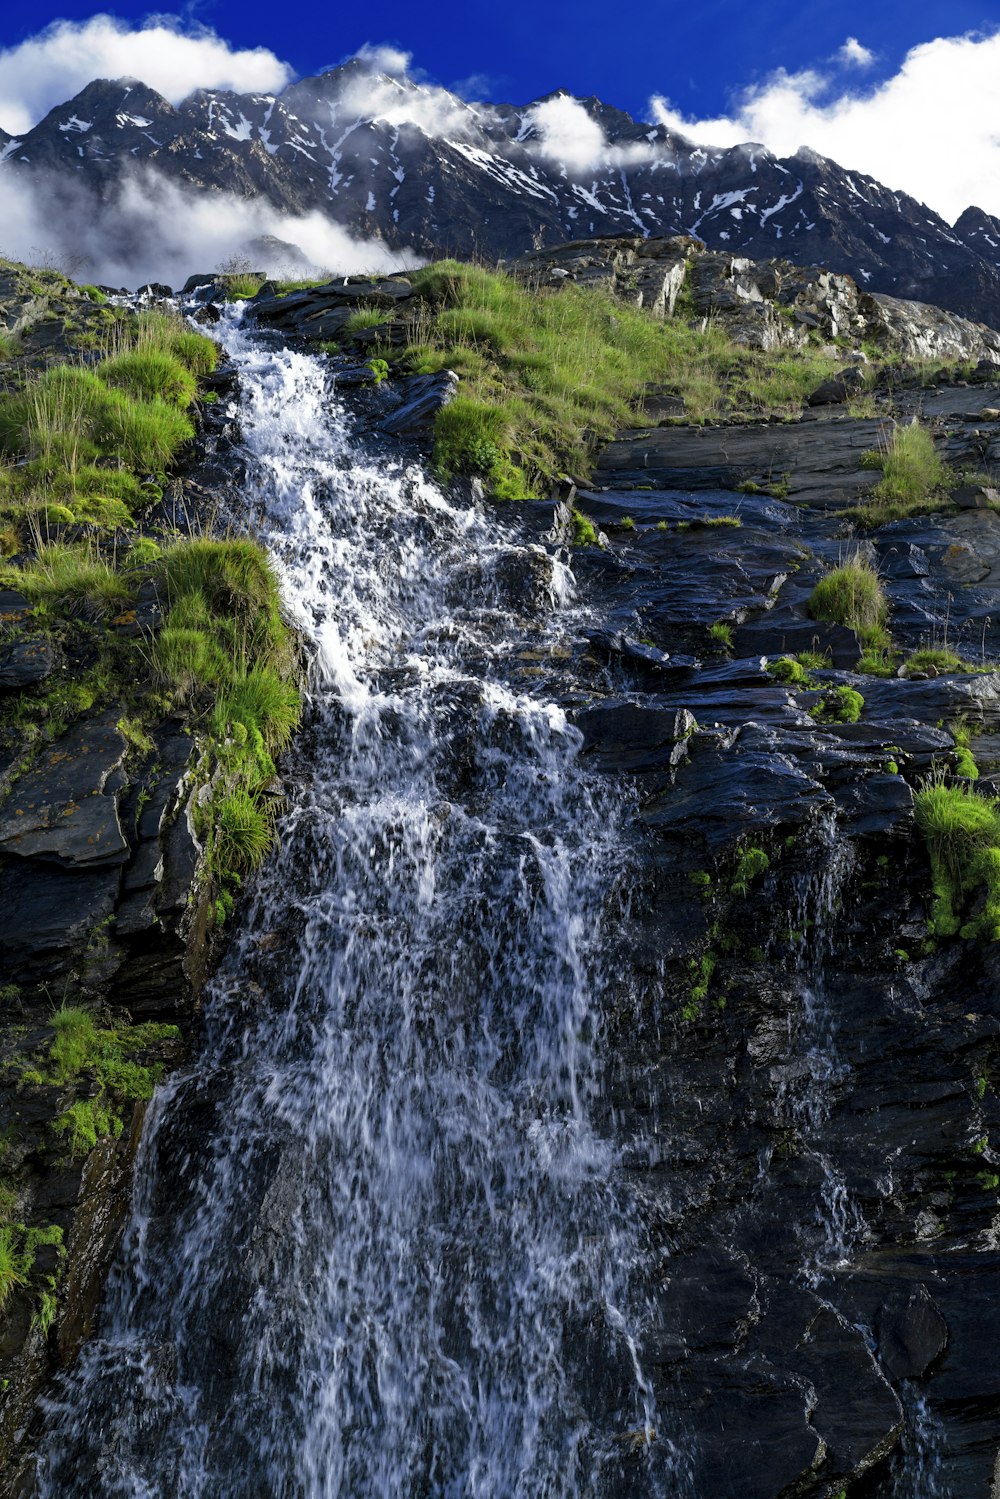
x: 383, y: 58
x: 50, y: 68
x: 154, y: 230
x: 931, y: 130
x: 853, y: 55
x: 379, y: 96
x: 567, y: 133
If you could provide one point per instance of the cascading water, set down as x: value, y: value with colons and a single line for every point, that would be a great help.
x: 377, y: 1246
x: 804, y: 1093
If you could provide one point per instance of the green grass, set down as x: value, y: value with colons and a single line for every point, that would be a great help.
x: 226, y: 652
x: 549, y: 373
x: 110, y: 1060
x: 584, y: 530
x: 283, y: 288
x: 243, y: 831
x: 841, y: 704
x: 961, y: 830
x: 18, y: 1248
x: 239, y: 286
x: 787, y: 669
x: 752, y: 862
x: 90, y: 445
x: 151, y: 375
x: 84, y: 443
x: 940, y: 659
x: 722, y: 634
x: 366, y: 317
x: 852, y: 595
x: 965, y: 760
x: 914, y: 477
x: 76, y: 577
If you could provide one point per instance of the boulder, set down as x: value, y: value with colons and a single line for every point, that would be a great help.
x: 24, y: 663
x: 64, y: 807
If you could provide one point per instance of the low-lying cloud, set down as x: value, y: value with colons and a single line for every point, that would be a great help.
x: 930, y: 130
x: 169, y: 56
x: 151, y: 229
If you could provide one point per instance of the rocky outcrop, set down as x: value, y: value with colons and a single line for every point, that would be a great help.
x: 770, y: 304
x: 767, y: 305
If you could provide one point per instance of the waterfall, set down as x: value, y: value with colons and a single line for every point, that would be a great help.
x: 379, y: 1244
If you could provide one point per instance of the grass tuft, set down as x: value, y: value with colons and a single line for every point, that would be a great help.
x: 962, y: 832
x: 852, y: 595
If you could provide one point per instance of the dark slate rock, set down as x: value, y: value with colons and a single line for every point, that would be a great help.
x: 901, y: 559
x: 49, y: 912
x: 423, y: 397
x: 912, y: 1333
x: 783, y: 635
x: 857, y: 1414
x: 645, y: 659
x: 13, y: 607
x: 23, y: 663
x: 633, y: 736
x: 64, y: 807
x: 876, y: 805
x: 839, y: 388
x: 720, y: 794
x: 820, y: 461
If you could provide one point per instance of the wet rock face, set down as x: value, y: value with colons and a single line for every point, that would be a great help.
x: 822, y: 1201
x: 819, y: 1080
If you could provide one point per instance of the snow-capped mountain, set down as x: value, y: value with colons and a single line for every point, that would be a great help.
x: 422, y: 169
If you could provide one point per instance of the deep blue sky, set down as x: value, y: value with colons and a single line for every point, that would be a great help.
x: 696, y: 52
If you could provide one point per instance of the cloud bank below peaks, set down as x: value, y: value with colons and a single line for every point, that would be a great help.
x: 930, y: 130
x: 154, y: 230
x: 175, y: 59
